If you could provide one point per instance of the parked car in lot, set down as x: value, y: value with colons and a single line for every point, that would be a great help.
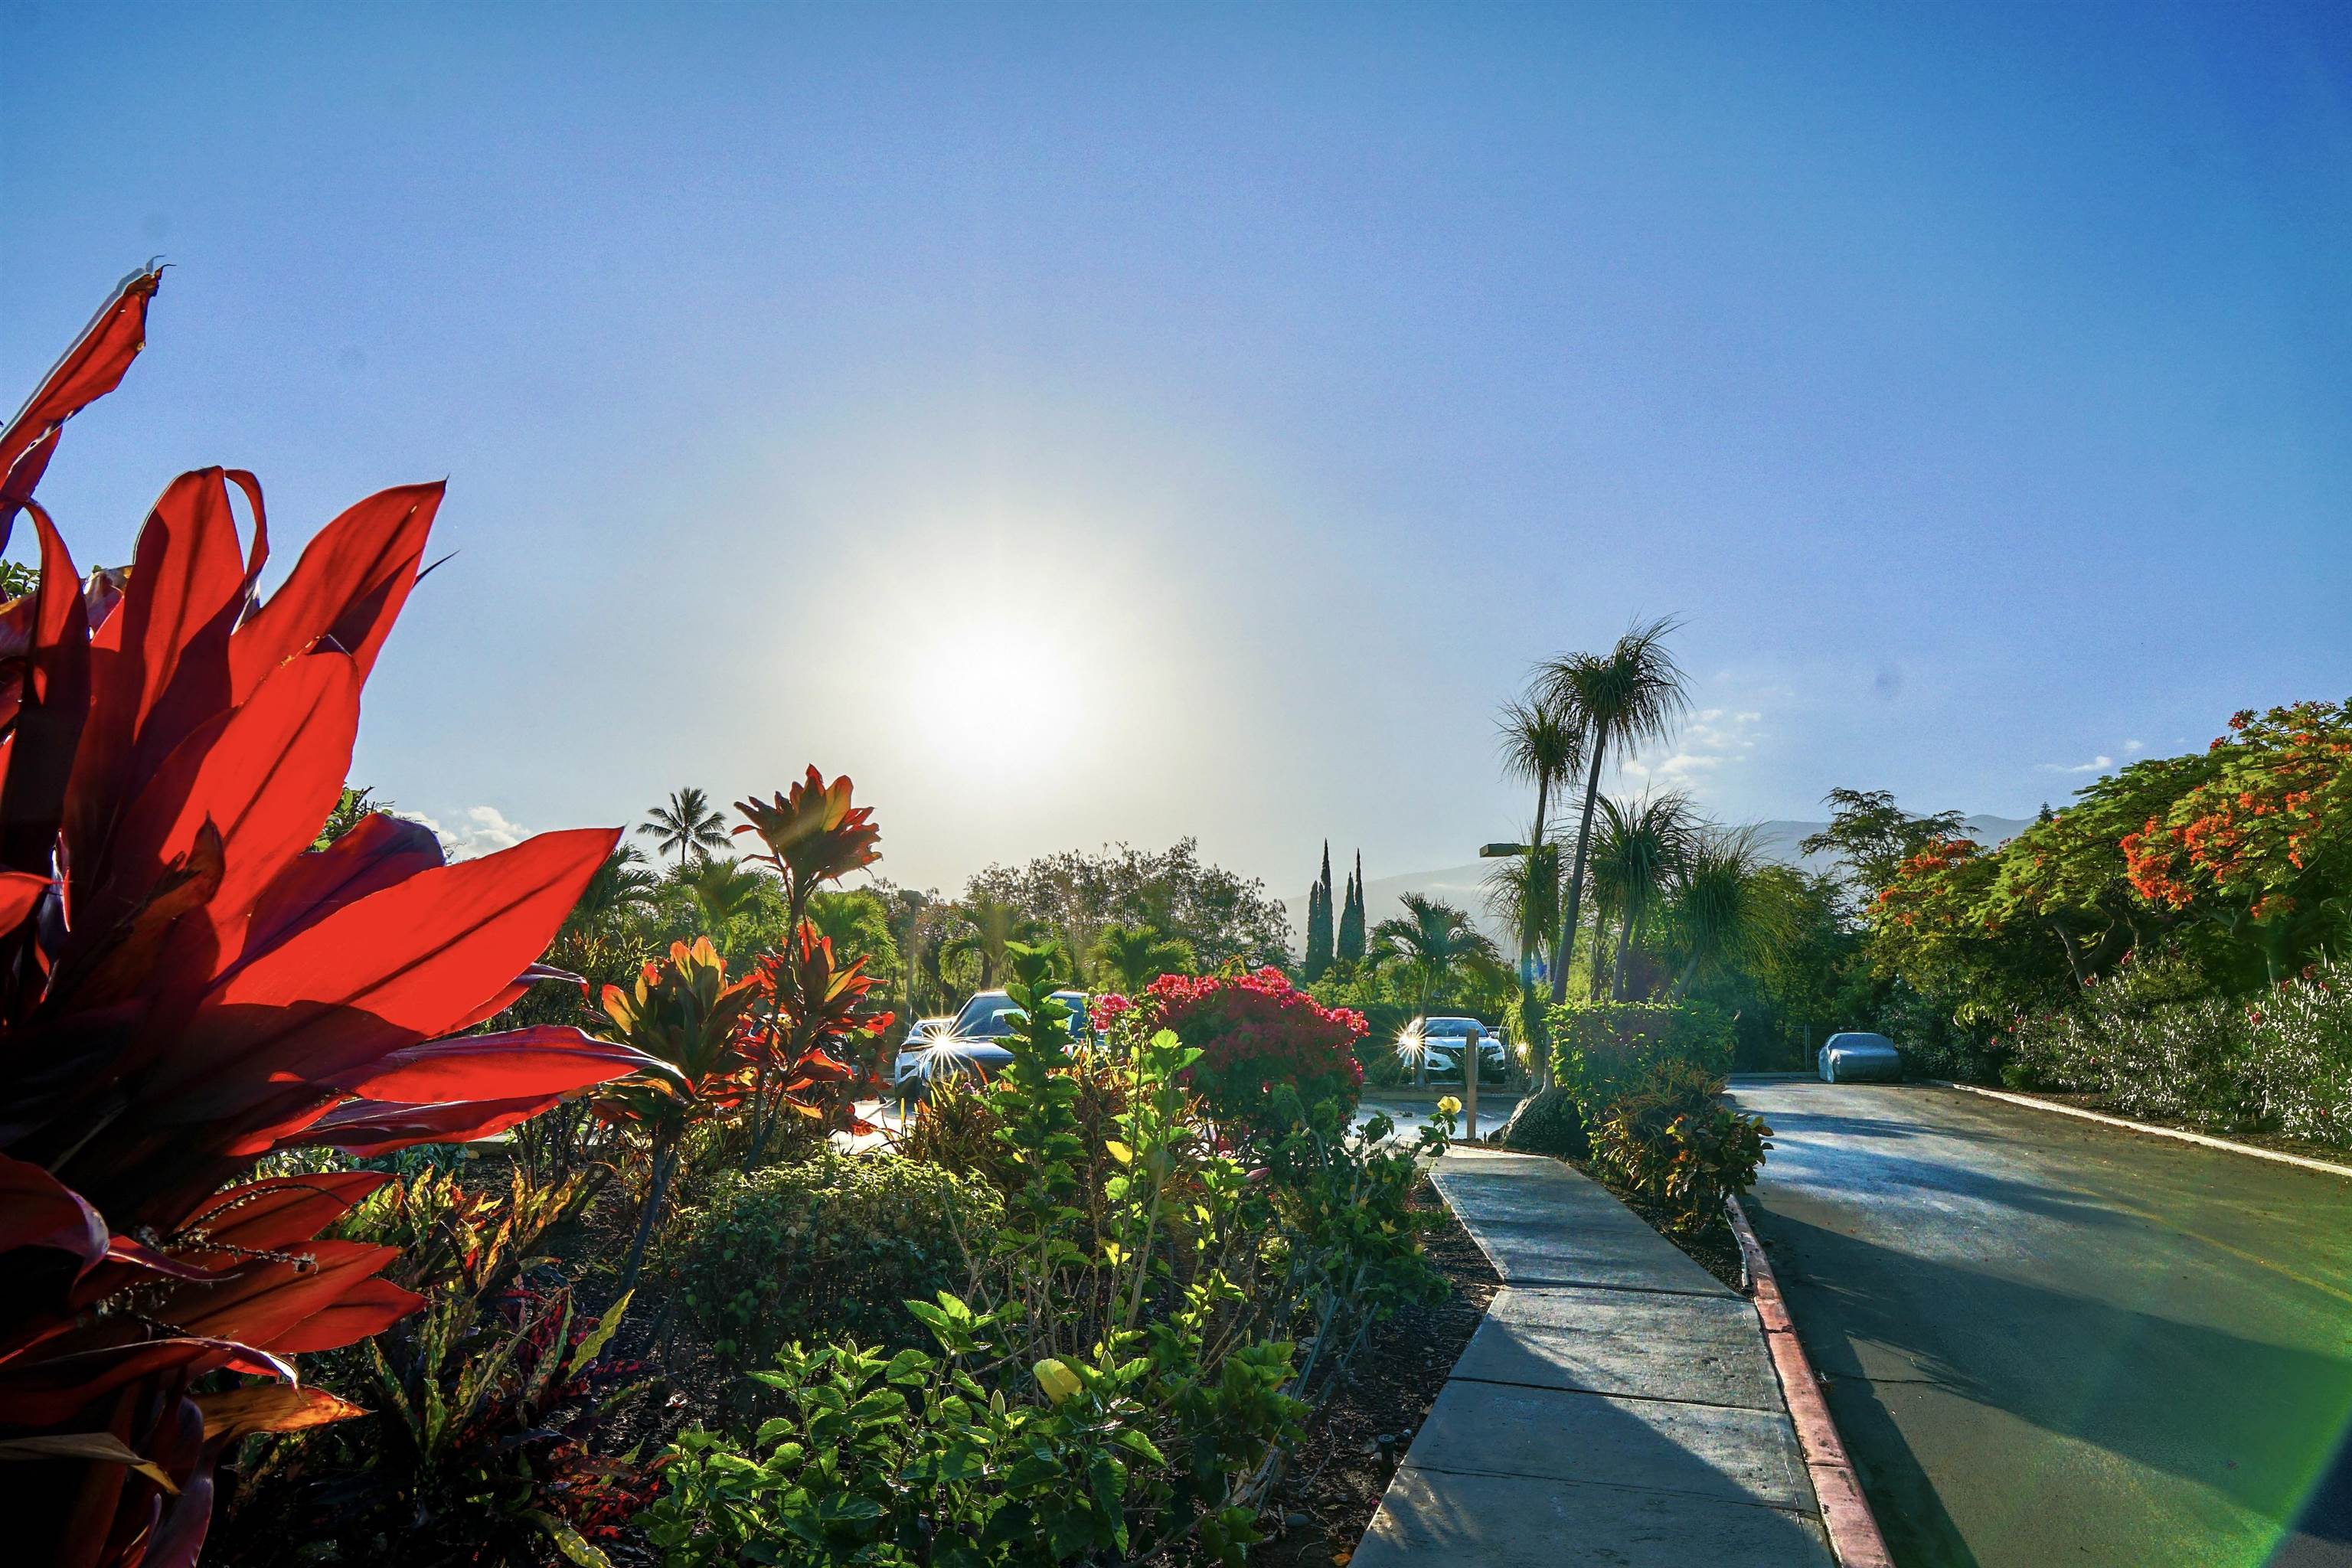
x: 1444, y: 1040
x: 968, y: 1045
x: 1853, y: 1056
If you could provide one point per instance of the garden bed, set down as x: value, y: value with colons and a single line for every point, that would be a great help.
x: 1335, y: 1482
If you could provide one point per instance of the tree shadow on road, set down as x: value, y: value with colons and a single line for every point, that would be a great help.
x: 2254, y: 1421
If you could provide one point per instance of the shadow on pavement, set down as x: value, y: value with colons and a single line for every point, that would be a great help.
x: 2255, y: 1421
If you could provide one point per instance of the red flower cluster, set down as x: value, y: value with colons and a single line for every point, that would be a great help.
x: 1256, y: 1031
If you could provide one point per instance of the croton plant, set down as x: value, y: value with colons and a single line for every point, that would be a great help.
x: 186, y: 986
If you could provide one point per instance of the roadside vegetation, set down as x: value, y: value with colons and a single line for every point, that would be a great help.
x: 364, y: 1207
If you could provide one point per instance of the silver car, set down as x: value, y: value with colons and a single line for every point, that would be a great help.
x: 1853, y: 1056
x: 969, y: 1043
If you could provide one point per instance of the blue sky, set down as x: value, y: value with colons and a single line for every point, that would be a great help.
x: 1082, y: 424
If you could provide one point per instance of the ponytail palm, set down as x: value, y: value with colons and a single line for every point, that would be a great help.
x: 1731, y: 908
x: 1630, y: 694
x: 1637, y: 850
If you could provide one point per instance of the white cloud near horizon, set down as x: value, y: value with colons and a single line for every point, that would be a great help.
x: 482, y: 830
x: 2099, y: 764
x: 1711, y: 740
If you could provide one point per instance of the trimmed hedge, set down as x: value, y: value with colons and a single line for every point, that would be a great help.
x: 1600, y: 1049
x: 833, y: 1245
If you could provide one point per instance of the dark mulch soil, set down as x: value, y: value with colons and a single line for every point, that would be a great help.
x: 1714, y: 1249
x: 1335, y: 1481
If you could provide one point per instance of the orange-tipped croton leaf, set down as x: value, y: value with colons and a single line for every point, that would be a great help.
x: 366, y: 1128
x: 388, y: 971
x: 39, y: 1210
x: 60, y: 1387
x: 347, y: 589
x: 269, y: 1408
x: 91, y: 369
x: 543, y: 1059
x: 53, y: 701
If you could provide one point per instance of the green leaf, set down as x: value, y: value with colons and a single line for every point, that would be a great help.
x: 567, y: 1540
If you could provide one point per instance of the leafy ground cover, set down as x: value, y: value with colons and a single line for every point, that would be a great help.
x: 268, y: 1296
x: 1334, y: 1482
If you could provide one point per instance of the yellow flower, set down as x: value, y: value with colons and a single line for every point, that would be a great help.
x: 1450, y: 1106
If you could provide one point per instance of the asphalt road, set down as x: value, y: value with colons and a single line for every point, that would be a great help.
x: 2052, y: 1343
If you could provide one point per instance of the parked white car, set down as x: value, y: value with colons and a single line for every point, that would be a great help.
x: 1444, y: 1039
x: 1854, y: 1057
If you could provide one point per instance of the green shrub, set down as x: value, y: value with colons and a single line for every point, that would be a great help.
x: 1671, y: 1139
x: 1600, y: 1049
x: 1145, y: 1342
x: 1549, y: 1123
x: 2148, y: 1045
x: 835, y: 1247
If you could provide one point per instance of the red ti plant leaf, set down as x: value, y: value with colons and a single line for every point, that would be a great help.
x: 91, y: 369
x: 184, y: 985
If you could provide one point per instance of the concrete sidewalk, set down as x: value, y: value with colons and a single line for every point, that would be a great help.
x: 1617, y: 1405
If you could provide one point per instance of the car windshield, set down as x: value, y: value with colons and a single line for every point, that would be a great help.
x: 993, y: 1018
x: 1449, y: 1028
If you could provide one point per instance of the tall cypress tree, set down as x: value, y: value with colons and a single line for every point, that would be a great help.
x: 1318, y: 920
x: 1350, y: 943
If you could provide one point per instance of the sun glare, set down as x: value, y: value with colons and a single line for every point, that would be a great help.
x: 965, y: 684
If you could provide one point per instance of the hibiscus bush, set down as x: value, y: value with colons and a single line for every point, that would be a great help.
x: 1256, y: 1033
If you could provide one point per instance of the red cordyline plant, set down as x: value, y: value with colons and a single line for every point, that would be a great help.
x: 184, y: 987
x: 809, y: 1009
x: 684, y: 1013
x: 810, y: 1013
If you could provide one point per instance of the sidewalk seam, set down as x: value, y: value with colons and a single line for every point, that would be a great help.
x: 1612, y: 1394
x: 1855, y: 1537
x: 2204, y: 1140
x: 1616, y: 1487
x: 1510, y: 1284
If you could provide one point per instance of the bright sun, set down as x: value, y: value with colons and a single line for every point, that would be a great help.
x: 965, y: 684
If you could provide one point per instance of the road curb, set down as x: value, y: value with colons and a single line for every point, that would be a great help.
x: 1854, y: 1540
x: 2206, y: 1139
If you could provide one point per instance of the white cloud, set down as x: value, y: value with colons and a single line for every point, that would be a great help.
x: 1714, y: 738
x: 2134, y: 748
x: 2099, y: 764
x: 482, y: 830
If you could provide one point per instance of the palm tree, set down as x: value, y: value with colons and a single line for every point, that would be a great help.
x: 690, y: 823
x: 1640, y: 845
x: 721, y: 889
x: 620, y: 887
x: 1630, y: 694
x: 1729, y: 907
x: 1132, y: 957
x: 1436, y: 941
x: 991, y: 924
x: 1542, y: 744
